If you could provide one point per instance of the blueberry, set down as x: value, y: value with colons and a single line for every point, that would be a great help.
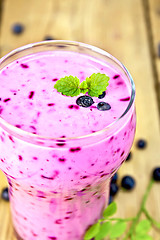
x: 156, y: 174
x: 141, y: 143
x: 113, y: 189
x: 17, y: 28
x: 114, y: 178
x: 103, y: 106
x: 5, y: 194
x: 102, y: 95
x: 47, y: 38
x: 84, y: 101
x: 129, y: 156
x: 128, y: 182
x: 110, y: 200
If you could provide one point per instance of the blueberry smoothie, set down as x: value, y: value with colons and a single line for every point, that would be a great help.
x: 59, y: 156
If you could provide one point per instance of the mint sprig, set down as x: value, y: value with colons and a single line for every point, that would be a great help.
x: 95, y: 85
x: 114, y: 228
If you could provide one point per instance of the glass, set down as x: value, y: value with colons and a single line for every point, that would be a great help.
x: 63, y: 209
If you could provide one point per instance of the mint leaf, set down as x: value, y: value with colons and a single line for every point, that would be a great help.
x: 92, y: 231
x: 110, y: 210
x: 68, y: 86
x: 97, y: 84
x: 143, y: 226
x: 103, y: 231
x: 117, y: 229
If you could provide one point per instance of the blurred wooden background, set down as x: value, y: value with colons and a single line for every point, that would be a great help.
x: 129, y: 30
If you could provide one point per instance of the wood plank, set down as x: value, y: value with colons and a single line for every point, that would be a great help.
x: 152, y: 15
x: 120, y: 28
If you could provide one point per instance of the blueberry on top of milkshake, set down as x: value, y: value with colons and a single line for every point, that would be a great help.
x: 102, y: 95
x: 84, y: 101
x: 103, y: 106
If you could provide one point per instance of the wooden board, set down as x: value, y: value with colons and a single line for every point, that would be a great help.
x: 152, y: 19
x: 120, y: 28
x: 154, y: 15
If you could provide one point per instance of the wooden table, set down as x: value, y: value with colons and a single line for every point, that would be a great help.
x: 129, y: 30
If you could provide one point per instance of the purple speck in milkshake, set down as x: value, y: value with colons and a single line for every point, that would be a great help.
x: 122, y: 153
x: 62, y: 159
x: 61, y: 142
x: 31, y: 94
x: 49, y: 178
x: 11, y: 138
x: 20, y: 157
x: 116, y: 76
x: 73, y: 106
x: 119, y: 83
x: 125, y: 99
x: 50, y: 104
x: 24, y: 65
x: 1, y: 109
x: 18, y: 126
x: 58, y: 221
x: 77, y: 149
x: 6, y: 100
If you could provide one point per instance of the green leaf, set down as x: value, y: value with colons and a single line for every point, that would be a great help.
x: 103, y: 231
x: 97, y: 84
x: 143, y: 226
x: 110, y: 210
x: 83, y: 87
x: 92, y: 231
x: 142, y: 237
x: 68, y: 86
x: 117, y: 229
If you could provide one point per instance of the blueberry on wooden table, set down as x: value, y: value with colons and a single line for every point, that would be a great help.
x: 110, y: 199
x: 156, y: 174
x: 129, y: 156
x: 48, y: 38
x: 141, y: 144
x: 114, y: 178
x: 17, y: 28
x: 5, y: 194
x: 113, y: 189
x: 128, y: 183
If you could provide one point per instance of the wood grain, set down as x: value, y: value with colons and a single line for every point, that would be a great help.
x: 154, y: 13
x: 120, y: 28
x: 154, y: 19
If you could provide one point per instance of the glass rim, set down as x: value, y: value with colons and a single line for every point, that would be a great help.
x: 95, y: 49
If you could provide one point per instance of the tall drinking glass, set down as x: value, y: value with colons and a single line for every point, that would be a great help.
x: 58, y: 156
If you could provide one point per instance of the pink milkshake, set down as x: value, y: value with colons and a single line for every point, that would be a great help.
x: 58, y: 156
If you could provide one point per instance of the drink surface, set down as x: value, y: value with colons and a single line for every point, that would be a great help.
x: 30, y: 102
x: 58, y: 191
